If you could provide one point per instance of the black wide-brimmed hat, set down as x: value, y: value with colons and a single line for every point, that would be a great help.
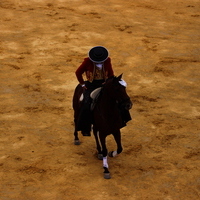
x: 98, y: 54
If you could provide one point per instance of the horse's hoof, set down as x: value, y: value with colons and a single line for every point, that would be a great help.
x: 110, y: 154
x: 107, y: 175
x: 100, y: 156
x: 77, y: 142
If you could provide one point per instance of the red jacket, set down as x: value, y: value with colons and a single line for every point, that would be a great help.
x: 88, y: 67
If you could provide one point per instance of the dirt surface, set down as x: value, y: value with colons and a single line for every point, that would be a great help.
x: 155, y: 44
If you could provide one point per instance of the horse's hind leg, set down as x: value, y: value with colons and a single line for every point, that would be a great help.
x: 76, y: 115
x: 76, y: 139
x: 100, y: 155
x: 117, y: 136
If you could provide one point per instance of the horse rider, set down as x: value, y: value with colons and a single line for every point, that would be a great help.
x: 97, y: 68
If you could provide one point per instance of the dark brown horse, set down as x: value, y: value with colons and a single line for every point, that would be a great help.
x: 110, y: 114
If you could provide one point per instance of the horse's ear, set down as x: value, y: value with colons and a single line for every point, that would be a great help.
x: 120, y: 77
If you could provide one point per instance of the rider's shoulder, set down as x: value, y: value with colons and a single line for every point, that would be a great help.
x: 87, y: 60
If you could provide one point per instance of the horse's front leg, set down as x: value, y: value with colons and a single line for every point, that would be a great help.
x: 105, y: 152
x: 117, y: 136
x: 98, y: 146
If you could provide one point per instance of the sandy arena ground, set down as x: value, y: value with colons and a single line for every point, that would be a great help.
x: 155, y: 44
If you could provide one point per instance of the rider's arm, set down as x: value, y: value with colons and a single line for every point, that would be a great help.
x: 79, y: 72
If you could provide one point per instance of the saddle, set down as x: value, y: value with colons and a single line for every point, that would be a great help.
x: 94, y: 96
x: 95, y: 93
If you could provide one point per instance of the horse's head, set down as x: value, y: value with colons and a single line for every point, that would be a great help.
x: 116, y: 87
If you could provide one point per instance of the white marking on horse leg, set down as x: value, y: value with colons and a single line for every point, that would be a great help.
x: 114, y: 153
x: 105, y: 162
